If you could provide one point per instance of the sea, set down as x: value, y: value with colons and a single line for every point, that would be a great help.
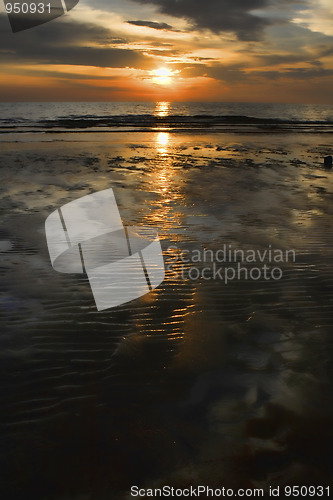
x: 108, y: 116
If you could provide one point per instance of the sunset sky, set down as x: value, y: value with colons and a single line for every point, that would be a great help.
x: 174, y: 50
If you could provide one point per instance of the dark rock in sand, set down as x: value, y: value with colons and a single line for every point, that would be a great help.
x: 328, y: 161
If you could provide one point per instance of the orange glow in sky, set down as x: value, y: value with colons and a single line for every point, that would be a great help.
x: 172, y: 53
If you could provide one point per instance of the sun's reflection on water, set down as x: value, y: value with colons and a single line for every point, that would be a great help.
x: 163, y: 176
x: 162, y: 141
x: 162, y: 109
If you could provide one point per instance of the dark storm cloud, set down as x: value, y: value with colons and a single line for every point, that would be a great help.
x: 235, y: 74
x: 232, y: 73
x: 276, y: 59
x: 67, y: 43
x: 218, y: 15
x: 305, y: 73
x: 325, y: 50
x: 57, y: 33
x: 152, y: 24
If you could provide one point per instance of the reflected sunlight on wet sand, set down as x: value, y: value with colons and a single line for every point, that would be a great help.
x: 198, y: 382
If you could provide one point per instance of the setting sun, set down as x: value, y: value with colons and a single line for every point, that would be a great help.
x: 163, y: 76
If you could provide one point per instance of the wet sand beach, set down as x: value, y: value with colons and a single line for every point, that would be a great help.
x: 200, y: 381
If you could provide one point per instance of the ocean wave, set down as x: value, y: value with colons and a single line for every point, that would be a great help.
x: 151, y: 122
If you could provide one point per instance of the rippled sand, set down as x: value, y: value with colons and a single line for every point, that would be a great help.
x: 197, y: 382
